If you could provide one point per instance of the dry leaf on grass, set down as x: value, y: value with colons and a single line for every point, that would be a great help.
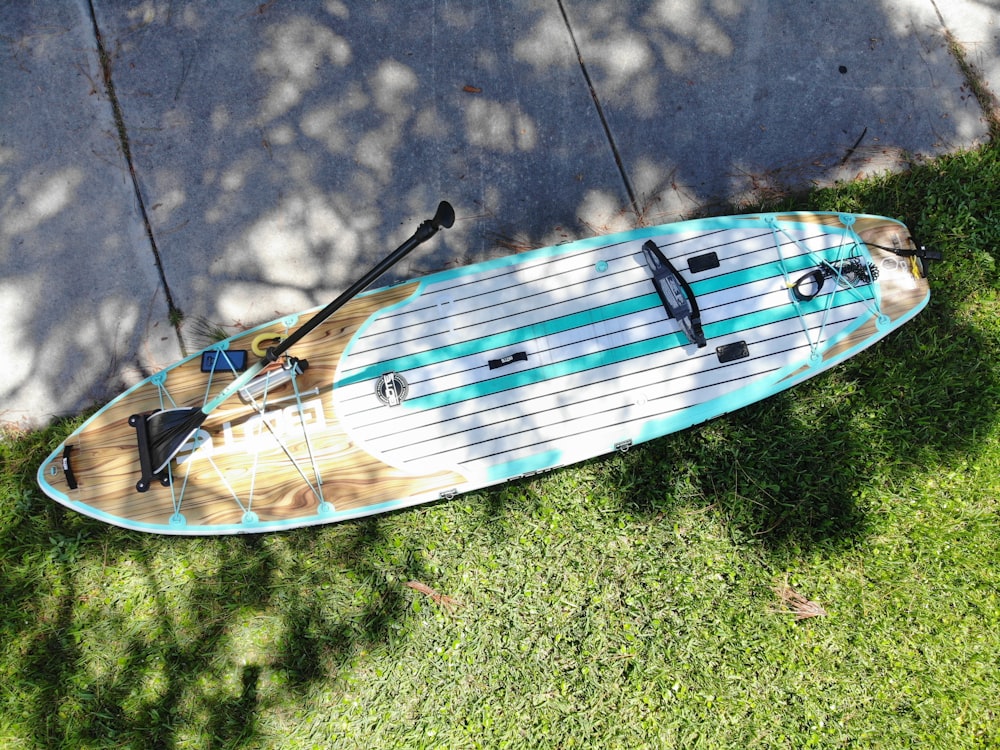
x: 793, y: 602
x: 446, y: 602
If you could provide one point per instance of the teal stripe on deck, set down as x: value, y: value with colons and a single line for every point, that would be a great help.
x: 630, y: 306
x: 504, y: 339
x: 618, y: 354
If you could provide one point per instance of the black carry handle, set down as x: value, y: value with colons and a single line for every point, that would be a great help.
x: 684, y: 309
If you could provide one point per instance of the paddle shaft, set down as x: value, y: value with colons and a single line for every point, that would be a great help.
x: 424, y: 232
x: 444, y: 217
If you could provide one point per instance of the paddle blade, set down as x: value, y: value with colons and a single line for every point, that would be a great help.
x: 445, y: 216
x: 168, y: 432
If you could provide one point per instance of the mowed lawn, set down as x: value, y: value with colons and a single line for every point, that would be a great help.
x: 819, y: 570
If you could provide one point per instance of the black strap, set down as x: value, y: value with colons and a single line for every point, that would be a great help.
x: 496, y: 364
x: 68, y: 469
x: 920, y: 252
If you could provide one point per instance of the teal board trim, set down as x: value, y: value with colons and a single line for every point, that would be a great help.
x: 47, y: 488
x: 529, y: 465
x: 168, y: 528
x: 240, y: 528
x: 591, y: 243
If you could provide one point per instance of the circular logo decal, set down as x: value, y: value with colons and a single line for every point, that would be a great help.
x: 391, y: 389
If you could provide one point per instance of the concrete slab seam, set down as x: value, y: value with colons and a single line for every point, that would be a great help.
x: 175, y: 314
x: 985, y: 97
x: 619, y: 162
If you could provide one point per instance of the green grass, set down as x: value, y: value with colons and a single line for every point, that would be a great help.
x: 625, y: 602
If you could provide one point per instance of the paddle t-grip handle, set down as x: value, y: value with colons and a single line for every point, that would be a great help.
x: 444, y: 217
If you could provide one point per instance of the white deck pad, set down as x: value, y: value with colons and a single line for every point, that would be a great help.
x: 595, y: 359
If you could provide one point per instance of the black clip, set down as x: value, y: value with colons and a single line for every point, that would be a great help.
x: 925, y: 254
x: 921, y: 252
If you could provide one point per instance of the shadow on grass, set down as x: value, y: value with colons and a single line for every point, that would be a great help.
x: 321, y: 637
x: 120, y: 659
x: 125, y: 640
x: 120, y: 639
x: 794, y: 471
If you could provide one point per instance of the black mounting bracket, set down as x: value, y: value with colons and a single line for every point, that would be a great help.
x: 675, y: 294
x: 138, y: 421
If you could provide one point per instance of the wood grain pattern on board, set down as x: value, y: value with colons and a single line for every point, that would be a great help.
x: 104, y: 457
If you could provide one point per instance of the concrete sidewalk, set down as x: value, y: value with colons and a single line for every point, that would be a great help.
x: 252, y: 160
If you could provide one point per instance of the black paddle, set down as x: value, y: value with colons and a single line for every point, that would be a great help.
x: 169, y: 430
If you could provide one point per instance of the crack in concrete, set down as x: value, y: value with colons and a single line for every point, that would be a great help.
x: 986, y: 99
x: 174, y: 313
x: 600, y: 113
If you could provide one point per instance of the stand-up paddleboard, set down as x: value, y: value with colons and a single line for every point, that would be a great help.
x: 487, y: 373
